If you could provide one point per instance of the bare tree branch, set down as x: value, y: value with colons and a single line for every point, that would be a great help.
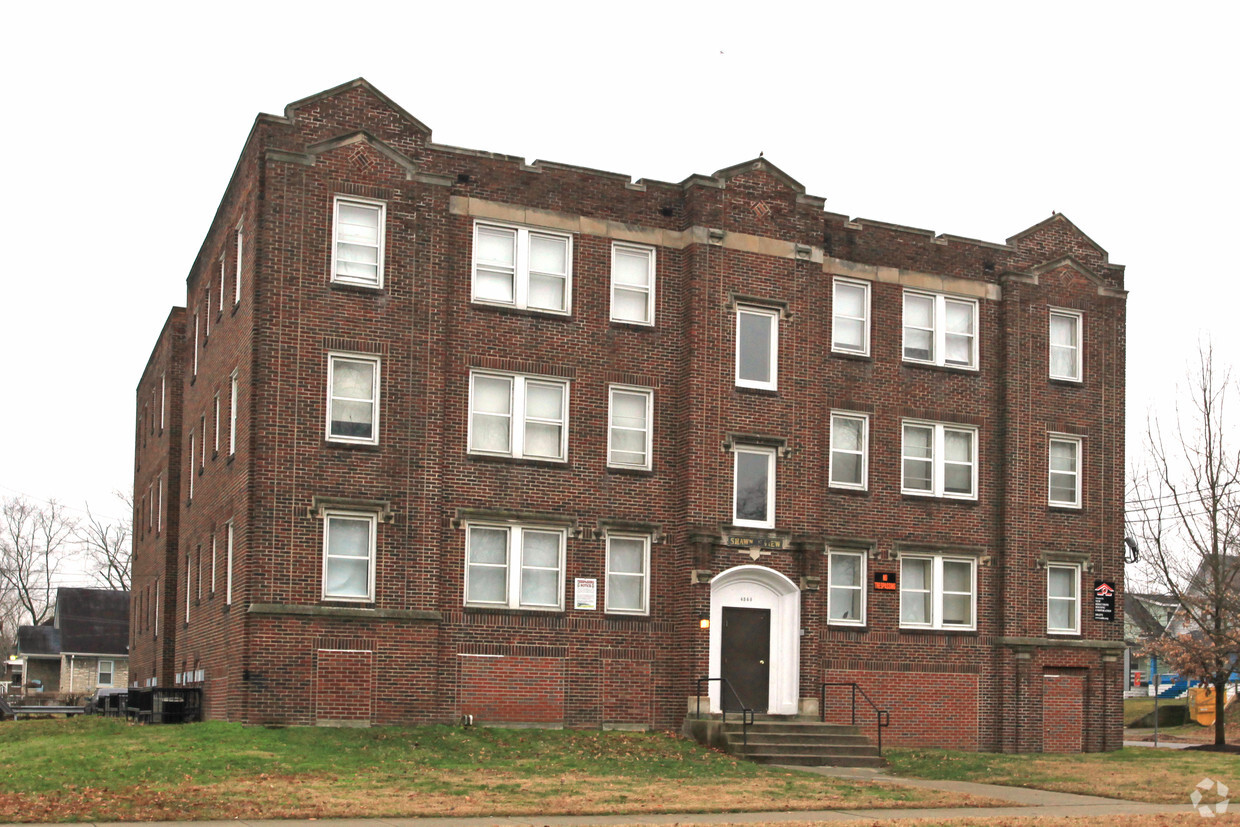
x: 32, y: 547
x: 106, y: 545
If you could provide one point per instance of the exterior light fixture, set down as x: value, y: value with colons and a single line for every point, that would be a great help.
x: 703, y: 621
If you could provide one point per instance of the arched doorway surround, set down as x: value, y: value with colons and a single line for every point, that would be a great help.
x: 759, y: 589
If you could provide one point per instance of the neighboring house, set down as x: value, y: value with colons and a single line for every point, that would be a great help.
x: 1145, y: 619
x: 441, y: 432
x: 84, y: 646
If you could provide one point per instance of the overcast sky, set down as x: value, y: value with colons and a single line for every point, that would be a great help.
x: 124, y: 123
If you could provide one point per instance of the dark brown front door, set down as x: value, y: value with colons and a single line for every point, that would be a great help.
x: 745, y: 658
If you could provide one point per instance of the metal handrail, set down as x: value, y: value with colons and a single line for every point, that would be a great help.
x: 747, y: 714
x: 882, y: 716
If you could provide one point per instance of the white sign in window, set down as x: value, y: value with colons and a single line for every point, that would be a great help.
x: 585, y: 593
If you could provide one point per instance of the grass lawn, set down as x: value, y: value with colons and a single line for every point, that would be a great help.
x: 1137, y: 708
x: 1137, y: 773
x: 93, y: 769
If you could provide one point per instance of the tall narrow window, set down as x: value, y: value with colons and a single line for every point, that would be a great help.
x: 212, y: 561
x: 518, y: 416
x: 189, y: 581
x: 1065, y: 352
x: 195, y: 373
x: 1064, y: 472
x: 193, y: 445
x: 849, y: 433
x: 520, y: 567
x: 156, y: 626
x: 940, y: 330
x: 628, y: 438
x: 850, y: 317
x: 523, y: 268
x: 753, y: 496
x: 159, y: 518
x: 939, y: 460
x: 358, y: 244
x: 202, y: 457
x: 240, y: 251
x: 1063, y: 603
x: 846, y: 587
x: 349, y: 556
x: 223, y: 279
x: 352, y: 399
x: 632, y: 284
x: 216, y: 447
x: 207, y: 299
x: 228, y: 564
x: 232, y: 415
x: 757, y: 347
x: 163, y: 399
x: 628, y: 564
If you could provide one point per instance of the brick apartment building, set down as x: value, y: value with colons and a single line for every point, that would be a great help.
x: 439, y: 432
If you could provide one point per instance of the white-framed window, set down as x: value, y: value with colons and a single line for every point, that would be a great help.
x: 1065, y: 344
x: 193, y: 445
x: 628, y: 574
x: 518, y: 416
x: 216, y: 447
x: 523, y: 268
x: 189, y: 581
x: 155, y: 628
x: 753, y: 490
x: 938, y: 592
x: 357, y: 241
x: 514, y: 566
x: 349, y: 540
x: 849, y: 445
x: 223, y: 279
x: 630, y: 427
x: 352, y: 398
x: 632, y: 283
x: 163, y: 397
x: 240, y: 250
x: 207, y: 298
x: 195, y: 373
x: 1064, y: 471
x: 939, y: 460
x: 202, y: 429
x: 1063, y: 598
x: 757, y: 347
x: 213, y: 561
x: 159, y: 514
x: 850, y: 316
x: 940, y: 330
x: 228, y: 563
x: 107, y: 673
x: 846, y: 587
x: 232, y: 414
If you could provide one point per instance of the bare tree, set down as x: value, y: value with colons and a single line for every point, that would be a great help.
x: 33, y: 542
x: 1186, y: 508
x: 106, y: 545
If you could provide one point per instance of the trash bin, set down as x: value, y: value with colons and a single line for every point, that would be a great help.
x: 1201, y: 705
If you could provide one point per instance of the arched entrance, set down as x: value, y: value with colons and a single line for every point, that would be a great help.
x: 755, y: 625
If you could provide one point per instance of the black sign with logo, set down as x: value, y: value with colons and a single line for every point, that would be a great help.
x: 885, y: 581
x: 1104, y: 600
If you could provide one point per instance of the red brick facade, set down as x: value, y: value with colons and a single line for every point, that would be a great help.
x: 302, y: 625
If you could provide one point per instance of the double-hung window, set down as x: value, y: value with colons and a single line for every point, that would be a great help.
x: 753, y: 495
x: 757, y: 347
x: 352, y: 399
x: 628, y: 574
x: 240, y: 252
x: 846, y: 587
x: 349, y: 555
x: 939, y: 460
x: 849, y: 433
x: 232, y: 413
x: 357, y: 243
x: 193, y: 445
x: 1065, y: 345
x: 940, y: 330
x: 629, y: 427
x: 850, y: 317
x: 632, y: 284
x: 1063, y: 598
x: 518, y: 416
x: 514, y: 566
x: 107, y: 671
x: 938, y: 592
x: 522, y: 268
x: 1064, y: 472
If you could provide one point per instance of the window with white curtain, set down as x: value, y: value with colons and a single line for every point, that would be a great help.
x: 850, y: 317
x: 518, y: 416
x: 628, y: 567
x: 937, y: 592
x: 632, y: 284
x: 349, y: 555
x: 523, y: 268
x: 1065, y: 345
x: 940, y: 330
x: 939, y: 460
x: 357, y: 245
x: 846, y: 587
x: 629, y: 430
x: 352, y: 398
x: 514, y: 566
x: 1064, y: 471
x: 1063, y: 598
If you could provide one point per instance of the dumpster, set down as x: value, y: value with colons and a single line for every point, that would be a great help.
x: 1201, y: 705
x: 164, y: 705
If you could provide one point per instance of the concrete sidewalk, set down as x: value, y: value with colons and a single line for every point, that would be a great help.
x: 1023, y: 802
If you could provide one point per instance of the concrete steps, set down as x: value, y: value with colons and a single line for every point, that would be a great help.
x: 774, y: 739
